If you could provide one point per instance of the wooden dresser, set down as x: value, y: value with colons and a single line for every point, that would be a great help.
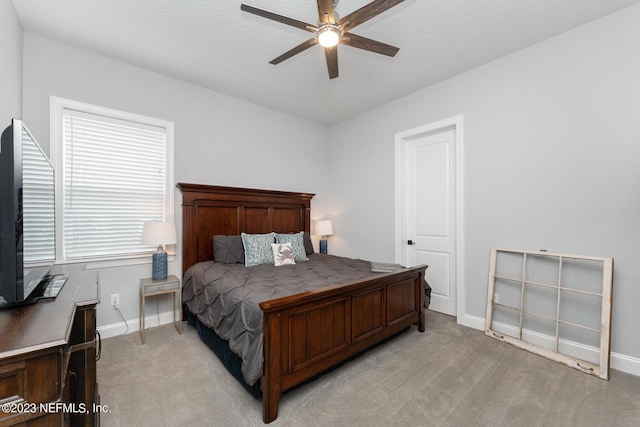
x: 48, y: 354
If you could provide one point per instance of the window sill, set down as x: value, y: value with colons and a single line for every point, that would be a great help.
x: 119, y: 262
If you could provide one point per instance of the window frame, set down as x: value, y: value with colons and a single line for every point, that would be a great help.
x: 57, y: 109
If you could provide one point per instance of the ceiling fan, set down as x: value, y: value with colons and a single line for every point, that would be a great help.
x: 332, y: 30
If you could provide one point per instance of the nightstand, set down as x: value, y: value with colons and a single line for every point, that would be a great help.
x: 170, y: 285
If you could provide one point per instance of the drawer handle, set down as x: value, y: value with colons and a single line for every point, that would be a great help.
x: 99, y: 352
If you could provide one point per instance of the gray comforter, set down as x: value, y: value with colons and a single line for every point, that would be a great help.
x: 225, y: 297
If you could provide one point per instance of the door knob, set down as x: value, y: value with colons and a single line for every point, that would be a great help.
x: 410, y: 242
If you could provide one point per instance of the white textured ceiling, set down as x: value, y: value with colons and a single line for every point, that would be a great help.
x: 213, y: 44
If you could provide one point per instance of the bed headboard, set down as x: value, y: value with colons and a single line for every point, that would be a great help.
x: 208, y: 210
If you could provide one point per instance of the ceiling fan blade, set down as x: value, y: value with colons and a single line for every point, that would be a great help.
x: 360, y: 42
x: 331, y: 53
x: 279, y: 18
x: 296, y: 50
x: 325, y: 7
x: 366, y: 12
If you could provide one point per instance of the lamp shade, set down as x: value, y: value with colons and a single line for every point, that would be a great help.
x: 159, y: 233
x: 324, y: 227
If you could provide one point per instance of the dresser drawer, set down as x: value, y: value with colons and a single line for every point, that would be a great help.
x: 151, y: 288
x: 28, y: 382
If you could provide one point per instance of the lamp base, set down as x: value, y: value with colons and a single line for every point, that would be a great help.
x: 323, y: 246
x: 159, y: 266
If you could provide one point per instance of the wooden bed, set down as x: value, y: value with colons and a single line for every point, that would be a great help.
x: 308, y: 333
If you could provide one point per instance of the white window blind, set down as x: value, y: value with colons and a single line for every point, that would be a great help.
x: 38, y: 203
x: 114, y: 179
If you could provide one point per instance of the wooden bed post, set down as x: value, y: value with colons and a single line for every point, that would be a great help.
x: 189, y: 237
x: 271, y: 387
x: 421, y: 309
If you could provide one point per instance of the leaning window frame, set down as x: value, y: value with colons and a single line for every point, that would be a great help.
x: 57, y: 107
x: 515, y: 334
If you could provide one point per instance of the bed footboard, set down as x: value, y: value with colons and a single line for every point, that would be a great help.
x: 308, y: 333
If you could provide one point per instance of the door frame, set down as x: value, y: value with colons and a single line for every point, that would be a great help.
x: 401, y: 138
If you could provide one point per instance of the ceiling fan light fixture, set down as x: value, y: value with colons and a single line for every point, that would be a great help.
x: 329, y: 35
x: 331, y: 30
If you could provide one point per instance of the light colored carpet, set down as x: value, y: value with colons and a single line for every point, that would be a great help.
x: 447, y: 376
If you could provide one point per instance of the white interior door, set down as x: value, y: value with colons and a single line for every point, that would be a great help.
x: 430, y: 225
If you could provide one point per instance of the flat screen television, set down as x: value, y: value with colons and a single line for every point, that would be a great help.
x: 27, y: 219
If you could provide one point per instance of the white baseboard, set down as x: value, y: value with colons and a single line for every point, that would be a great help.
x: 624, y: 363
x: 471, y: 321
x: 621, y: 362
x: 119, y: 328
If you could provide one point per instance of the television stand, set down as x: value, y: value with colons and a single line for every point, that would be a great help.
x: 48, y: 355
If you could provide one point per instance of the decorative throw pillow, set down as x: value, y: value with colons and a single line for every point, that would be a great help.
x: 228, y: 249
x: 257, y: 248
x: 297, y: 244
x: 306, y: 240
x: 282, y: 254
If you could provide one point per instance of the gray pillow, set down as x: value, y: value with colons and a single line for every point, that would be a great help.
x: 228, y: 249
x: 306, y: 240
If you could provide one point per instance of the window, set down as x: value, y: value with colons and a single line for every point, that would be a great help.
x: 38, y: 204
x: 113, y: 172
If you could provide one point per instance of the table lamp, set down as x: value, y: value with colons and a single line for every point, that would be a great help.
x: 324, y: 228
x: 159, y: 233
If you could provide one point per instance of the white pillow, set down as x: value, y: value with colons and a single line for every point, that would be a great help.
x: 282, y: 254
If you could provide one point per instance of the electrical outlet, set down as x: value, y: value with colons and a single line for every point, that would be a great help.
x: 115, y: 300
x: 496, y: 298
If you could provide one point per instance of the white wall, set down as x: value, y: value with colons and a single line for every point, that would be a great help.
x: 11, y: 68
x: 218, y: 139
x: 552, y: 146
